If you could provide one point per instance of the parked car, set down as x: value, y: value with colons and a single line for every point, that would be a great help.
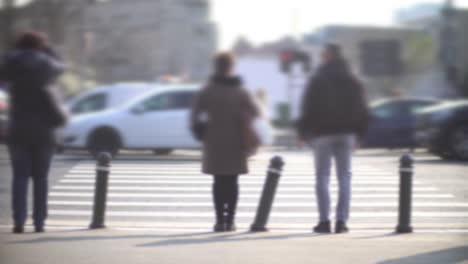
x: 393, y: 122
x: 443, y: 129
x: 3, y: 115
x: 157, y: 120
x: 106, y: 97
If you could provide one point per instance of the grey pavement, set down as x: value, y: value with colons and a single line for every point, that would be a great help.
x: 110, y: 246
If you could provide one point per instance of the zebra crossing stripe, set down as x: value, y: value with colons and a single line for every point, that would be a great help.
x: 178, y: 214
x: 209, y: 196
x: 245, y: 180
x: 252, y: 189
x: 254, y: 204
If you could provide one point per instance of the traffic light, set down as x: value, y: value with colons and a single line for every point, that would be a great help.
x: 289, y: 57
x: 286, y: 60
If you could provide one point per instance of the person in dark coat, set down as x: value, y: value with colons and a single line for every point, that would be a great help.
x: 219, y: 118
x: 334, y: 117
x: 30, y: 70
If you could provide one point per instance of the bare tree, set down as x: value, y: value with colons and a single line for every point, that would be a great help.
x: 8, y: 22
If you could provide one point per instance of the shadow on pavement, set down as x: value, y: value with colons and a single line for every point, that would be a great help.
x: 229, y: 238
x: 169, y: 240
x: 446, y: 256
x: 381, y: 236
x: 51, y: 239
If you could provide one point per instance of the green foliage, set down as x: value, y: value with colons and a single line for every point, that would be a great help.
x: 422, y: 52
x: 284, y: 116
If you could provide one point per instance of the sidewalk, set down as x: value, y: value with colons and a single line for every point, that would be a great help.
x: 113, y: 246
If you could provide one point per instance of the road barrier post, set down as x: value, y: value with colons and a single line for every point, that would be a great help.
x: 268, y: 195
x: 406, y: 187
x: 100, y: 191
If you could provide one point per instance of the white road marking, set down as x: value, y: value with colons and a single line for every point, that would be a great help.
x: 208, y: 195
x: 207, y: 188
x: 252, y: 204
x: 178, y: 214
x: 247, y: 179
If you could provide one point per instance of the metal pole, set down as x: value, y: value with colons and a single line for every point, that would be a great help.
x: 9, y: 20
x: 406, y: 186
x: 100, y: 191
x: 268, y: 195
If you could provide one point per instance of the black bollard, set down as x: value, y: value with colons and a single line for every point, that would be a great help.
x: 406, y: 187
x: 100, y: 191
x: 268, y: 195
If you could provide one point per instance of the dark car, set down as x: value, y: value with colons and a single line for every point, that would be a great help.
x: 393, y: 122
x: 443, y: 129
x: 3, y: 115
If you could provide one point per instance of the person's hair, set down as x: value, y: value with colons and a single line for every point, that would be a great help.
x: 334, y: 50
x: 223, y: 63
x: 31, y: 40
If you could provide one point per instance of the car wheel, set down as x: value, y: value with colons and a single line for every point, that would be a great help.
x: 162, y: 152
x: 459, y: 142
x: 104, y: 140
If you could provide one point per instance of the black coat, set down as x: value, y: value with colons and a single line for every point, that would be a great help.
x: 34, y: 112
x: 334, y: 103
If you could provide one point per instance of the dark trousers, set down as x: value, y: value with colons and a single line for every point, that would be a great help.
x: 225, y: 196
x: 30, y: 161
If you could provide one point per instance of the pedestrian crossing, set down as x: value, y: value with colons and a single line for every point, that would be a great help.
x: 175, y: 195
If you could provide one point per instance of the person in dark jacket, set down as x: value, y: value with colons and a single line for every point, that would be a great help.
x: 333, y: 119
x: 224, y: 108
x: 30, y: 70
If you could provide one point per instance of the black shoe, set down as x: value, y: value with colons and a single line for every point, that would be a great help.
x: 39, y: 229
x: 340, y: 227
x: 323, y: 227
x: 18, y: 229
x: 219, y: 227
x: 231, y: 227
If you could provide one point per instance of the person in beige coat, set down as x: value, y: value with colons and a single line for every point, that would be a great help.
x: 220, y: 118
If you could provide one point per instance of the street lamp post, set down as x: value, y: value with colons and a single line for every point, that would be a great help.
x: 9, y: 22
x: 448, y: 44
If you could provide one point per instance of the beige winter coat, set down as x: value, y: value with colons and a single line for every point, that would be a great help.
x: 226, y: 106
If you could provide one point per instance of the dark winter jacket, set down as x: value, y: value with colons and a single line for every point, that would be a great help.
x: 34, y: 112
x: 334, y: 103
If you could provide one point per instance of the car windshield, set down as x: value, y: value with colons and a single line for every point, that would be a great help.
x: 89, y: 104
x: 138, y: 100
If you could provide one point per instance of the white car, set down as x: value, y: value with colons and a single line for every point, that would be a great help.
x: 106, y: 97
x: 157, y: 120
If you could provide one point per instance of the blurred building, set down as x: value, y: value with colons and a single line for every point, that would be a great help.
x: 146, y: 39
x: 386, y: 58
x: 448, y: 27
x: 124, y: 40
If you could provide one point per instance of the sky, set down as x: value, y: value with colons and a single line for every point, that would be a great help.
x: 266, y: 20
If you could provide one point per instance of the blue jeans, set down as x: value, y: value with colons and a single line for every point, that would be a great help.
x: 339, y: 147
x: 30, y: 161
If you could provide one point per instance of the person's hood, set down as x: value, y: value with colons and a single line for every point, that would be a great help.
x: 337, y: 67
x: 227, y: 80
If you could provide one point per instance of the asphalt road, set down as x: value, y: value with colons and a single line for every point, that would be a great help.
x: 169, y: 194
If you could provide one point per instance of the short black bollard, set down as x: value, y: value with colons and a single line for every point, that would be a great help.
x: 406, y: 187
x: 100, y: 191
x: 268, y: 195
